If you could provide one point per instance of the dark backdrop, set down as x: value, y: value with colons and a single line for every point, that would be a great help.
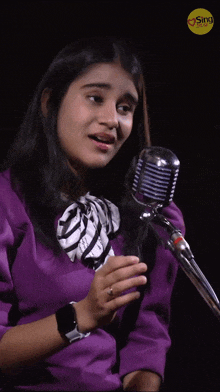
x: 182, y: 73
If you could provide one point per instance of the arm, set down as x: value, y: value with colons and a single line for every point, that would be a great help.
x: 142, y: 380
x: 27, y: 344
x: 40, y: 339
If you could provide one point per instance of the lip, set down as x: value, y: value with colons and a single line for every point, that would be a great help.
x: 103, y: 138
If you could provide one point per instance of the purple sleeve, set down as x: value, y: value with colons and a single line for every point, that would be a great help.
x: 149, y: 340
x: 11, y: 233
x: 6, y: 286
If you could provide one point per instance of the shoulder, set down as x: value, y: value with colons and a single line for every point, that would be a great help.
x: 7, y: 193
x: 5, y: 178
x: 12, y: 207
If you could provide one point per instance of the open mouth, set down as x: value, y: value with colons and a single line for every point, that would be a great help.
x: 103, y: 139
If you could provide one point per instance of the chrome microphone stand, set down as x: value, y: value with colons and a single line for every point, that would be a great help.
x: 170, y: 237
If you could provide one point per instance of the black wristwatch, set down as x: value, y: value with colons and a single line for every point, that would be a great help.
x: 67, y: 323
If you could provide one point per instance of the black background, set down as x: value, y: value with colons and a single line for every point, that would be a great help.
x: 182, y: 75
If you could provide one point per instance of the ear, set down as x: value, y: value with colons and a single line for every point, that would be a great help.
x: 45, y: 98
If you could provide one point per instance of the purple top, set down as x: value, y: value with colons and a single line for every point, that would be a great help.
x: 35, y: 283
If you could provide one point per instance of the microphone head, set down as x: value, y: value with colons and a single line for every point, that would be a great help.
x: 155, y: 177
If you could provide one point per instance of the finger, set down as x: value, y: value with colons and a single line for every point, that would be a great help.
x: 124, y: 273
x: 119, y: 288
x: 123, y: 300
x: 116, y: 262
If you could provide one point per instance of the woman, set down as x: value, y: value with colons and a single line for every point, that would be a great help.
x: 79, y: 310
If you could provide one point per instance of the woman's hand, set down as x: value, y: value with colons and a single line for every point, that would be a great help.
x: 142, y: 380
x: 108, y: 291
x: 39, y: 339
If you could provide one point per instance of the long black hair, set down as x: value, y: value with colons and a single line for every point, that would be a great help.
x: 38, y: 164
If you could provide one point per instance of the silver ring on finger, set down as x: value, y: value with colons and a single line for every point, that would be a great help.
x: 110, y: 292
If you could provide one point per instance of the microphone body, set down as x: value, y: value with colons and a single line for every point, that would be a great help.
x: 153, y: 186
x: 156, y: 175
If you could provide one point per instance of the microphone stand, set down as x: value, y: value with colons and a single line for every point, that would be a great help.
x: 171, y: 238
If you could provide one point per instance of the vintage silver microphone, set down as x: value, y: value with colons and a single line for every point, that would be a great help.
x: 153, y: 186
x: 156, y: 175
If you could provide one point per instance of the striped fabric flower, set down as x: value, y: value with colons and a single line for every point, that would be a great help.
x: 83, y: 230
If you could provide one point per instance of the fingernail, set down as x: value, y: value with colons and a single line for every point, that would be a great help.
x: 135, y: 259
x: 144, y: 279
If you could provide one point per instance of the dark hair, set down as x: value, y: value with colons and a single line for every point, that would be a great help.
x: 38, y: 165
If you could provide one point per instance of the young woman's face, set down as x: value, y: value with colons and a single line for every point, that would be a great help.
x: 96, y: 115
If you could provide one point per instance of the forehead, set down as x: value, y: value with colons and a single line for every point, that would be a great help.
x: 107, y: 73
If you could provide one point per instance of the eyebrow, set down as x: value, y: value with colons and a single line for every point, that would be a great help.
x: 107, y: 86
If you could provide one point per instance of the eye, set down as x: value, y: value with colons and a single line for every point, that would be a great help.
x: 95, y: 98
x: 124, y: 109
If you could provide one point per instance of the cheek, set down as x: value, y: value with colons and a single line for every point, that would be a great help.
x: 127, y: 127
x: 68, y: 122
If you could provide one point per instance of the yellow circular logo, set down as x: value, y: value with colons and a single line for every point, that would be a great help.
x: 200, y: 21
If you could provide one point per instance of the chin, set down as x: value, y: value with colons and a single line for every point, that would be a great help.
x: 98, y: 163
x: 83, y: 167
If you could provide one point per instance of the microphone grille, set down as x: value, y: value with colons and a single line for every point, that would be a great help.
x: 156, y: 175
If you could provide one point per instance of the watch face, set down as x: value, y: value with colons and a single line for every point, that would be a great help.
x: 67, y: 323
x: 66, y: 319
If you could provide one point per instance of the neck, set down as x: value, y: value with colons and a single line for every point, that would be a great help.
x: 81, y: 174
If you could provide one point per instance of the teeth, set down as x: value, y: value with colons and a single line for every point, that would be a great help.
x: 102, y: 140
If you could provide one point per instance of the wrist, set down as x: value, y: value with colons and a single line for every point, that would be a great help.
x: 86, y: 323
x: 67, y: 323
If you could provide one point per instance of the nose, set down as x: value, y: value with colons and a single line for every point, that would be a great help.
x: 108, y: 116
